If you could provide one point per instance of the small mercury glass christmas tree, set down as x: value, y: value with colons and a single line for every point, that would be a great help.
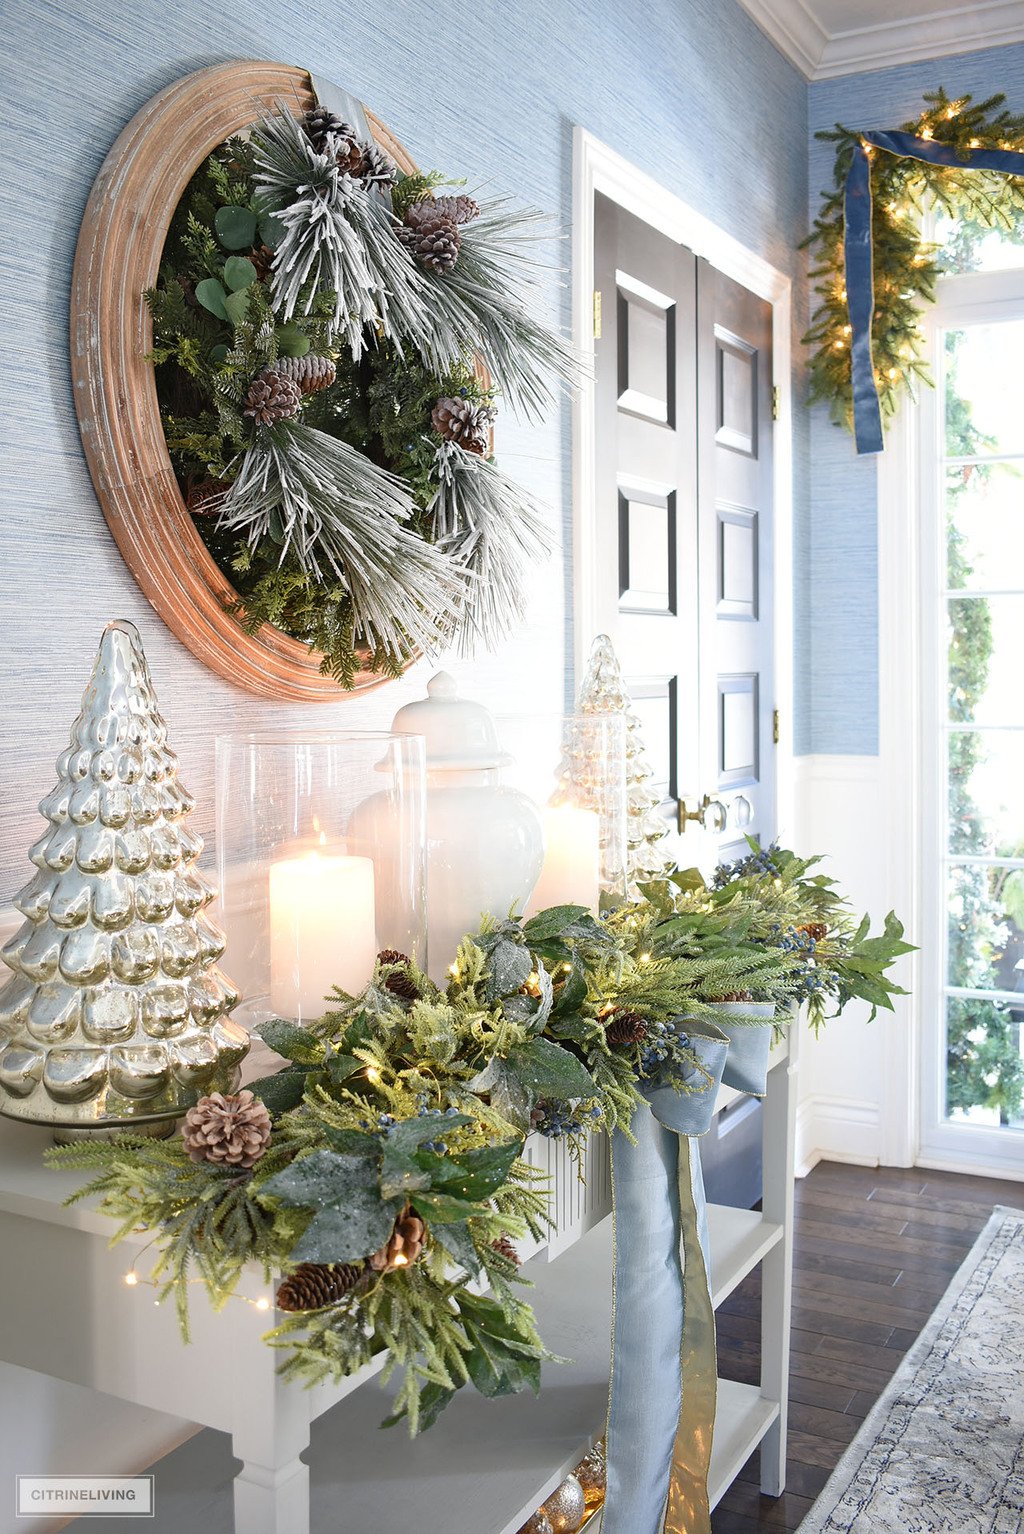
x: 603, y: 691
x: 116, y: 1013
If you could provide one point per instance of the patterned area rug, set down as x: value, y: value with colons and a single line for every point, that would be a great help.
x: 943, y: 1449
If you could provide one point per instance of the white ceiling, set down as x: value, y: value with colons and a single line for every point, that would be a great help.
x: 824, y: 38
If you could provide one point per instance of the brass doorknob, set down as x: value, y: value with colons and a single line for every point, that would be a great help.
x: 711, y: 814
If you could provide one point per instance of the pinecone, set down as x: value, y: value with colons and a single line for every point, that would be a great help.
x: 378, y: 168
x: 461, y: 421
x: 309, y: 373
x: 504, y: 1246
x: 816, y: 930
x: 404, y: 1244
x: 262, y: 258
x: 272, y: 397
x: 230, y: 1131
x: 461, y: 210
x: 433, y: 241
x: 392, y: 956
x: 315, y: 1284
x: 625, y: 1028
x: 203, y: 495
x: 354, y: 156
x: 403, y: 986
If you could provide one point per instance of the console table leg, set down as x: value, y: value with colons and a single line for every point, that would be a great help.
x: 270, y: 1429
x: 269, y: 1501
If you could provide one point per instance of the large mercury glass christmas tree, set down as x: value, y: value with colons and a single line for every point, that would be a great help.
x: 116, y: 1013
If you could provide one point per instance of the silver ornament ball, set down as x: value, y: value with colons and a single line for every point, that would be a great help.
x: 540, y: 1523
x: 566, y: 1507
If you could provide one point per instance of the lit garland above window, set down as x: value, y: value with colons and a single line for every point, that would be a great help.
x: 872, y: 271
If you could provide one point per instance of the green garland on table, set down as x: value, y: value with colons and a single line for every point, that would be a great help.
x: 330, y: 338
x: 905, y: 267
x: 381, y: 1171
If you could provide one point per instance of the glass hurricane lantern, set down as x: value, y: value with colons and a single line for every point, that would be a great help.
x: 321, y: 853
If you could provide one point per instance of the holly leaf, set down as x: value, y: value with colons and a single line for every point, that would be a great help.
x: 509, y: 967
x: 494, y: 1368
x: 457, y: 1241
x: 544, y: 1069
x: 358, y: 1227
x: 433, y: 1400
x: 235, y: 228
x: 341, y: 1067
x: 323, y: 1180
x: 444, y: 1208
x: 476, y: 1174
x: 292, y: 1041
x: 552, y: 922
x: 280, y: 1092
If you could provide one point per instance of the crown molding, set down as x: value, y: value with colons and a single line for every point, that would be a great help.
x: 821, y: 55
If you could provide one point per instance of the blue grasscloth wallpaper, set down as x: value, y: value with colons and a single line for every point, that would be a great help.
x: 841, y: 597
x: 689, y: 90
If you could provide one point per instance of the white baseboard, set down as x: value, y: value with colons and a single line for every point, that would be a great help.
x: 836, y: 1129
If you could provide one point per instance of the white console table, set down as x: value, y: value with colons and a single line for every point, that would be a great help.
x: 485, y: 1465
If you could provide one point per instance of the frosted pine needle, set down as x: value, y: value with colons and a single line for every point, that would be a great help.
x: 494, y: 530
x: 323, y: 500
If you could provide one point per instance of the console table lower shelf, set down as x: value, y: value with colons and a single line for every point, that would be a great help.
x: 318, y: 1460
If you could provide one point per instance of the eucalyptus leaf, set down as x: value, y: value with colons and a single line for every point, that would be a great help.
x: 220, y: 353
x: 235, y: 227
x: 239, y: 273
x: 271, y: 230
x: 290, y: 341
x: 494, y: 1368
x: 236, y: 306
x: 211, y: 295
x: 433, y: 1400
x: 359, y: 1227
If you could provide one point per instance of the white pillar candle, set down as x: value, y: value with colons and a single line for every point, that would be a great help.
x: 571, y: 874
x: 322, y: 931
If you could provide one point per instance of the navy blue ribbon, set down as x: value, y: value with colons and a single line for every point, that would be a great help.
x: 857, y: 250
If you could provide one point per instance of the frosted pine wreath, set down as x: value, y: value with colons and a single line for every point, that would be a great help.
x: 330, y: 340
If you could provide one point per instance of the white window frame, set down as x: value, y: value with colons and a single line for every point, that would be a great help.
x: 911, y: 510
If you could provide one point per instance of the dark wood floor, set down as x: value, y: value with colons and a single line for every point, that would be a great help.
x: 874, y: 1251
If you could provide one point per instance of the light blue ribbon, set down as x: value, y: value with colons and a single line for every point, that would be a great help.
x: 859, y: 254
x: 650, y: 1293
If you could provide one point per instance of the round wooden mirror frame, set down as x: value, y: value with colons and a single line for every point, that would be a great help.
x: 120, y: 245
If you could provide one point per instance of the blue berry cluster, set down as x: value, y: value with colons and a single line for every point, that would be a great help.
x: 386, y: 1122
x: 655, y: 1049
x: 793, y: 939
x: 555, y: 1119
x: 755, y: 864
x: 423, y: 1112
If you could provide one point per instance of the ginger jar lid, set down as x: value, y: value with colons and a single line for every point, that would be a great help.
x: 459, y: 733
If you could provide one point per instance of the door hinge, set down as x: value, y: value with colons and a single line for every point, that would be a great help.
x: 776, y: 727
x: 597, y: 314
x: 775, y: 402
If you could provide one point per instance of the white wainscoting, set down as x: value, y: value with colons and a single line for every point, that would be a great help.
x: 847, y: 1108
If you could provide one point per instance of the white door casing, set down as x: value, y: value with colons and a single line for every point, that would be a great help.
x: 911, y: 545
